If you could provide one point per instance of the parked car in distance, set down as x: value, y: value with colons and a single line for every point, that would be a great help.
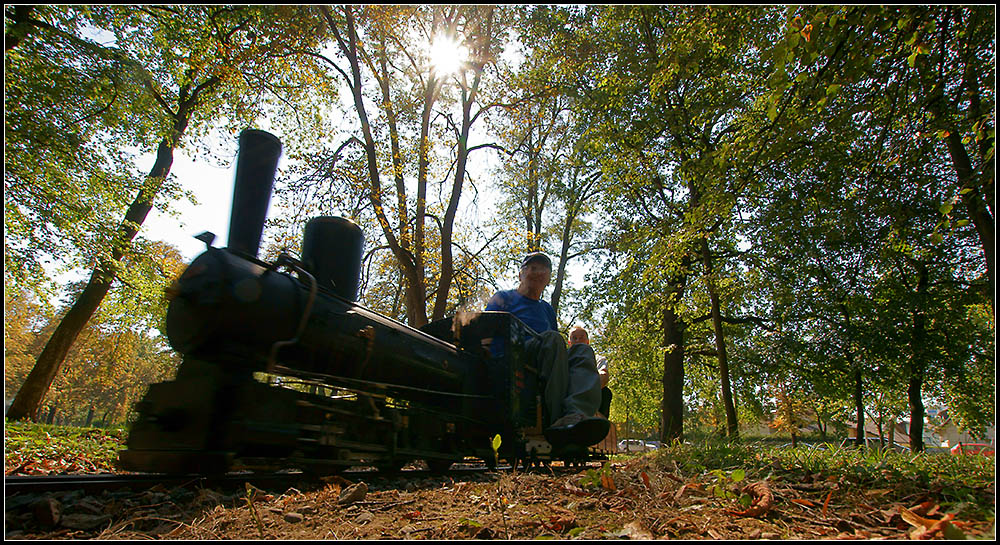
x: 653, y: 444
x: 634, y: 445
x: 974, y: 448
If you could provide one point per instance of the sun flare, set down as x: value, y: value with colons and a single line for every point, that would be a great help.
x: 447, y: 55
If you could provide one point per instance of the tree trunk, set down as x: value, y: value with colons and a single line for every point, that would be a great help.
x: 732, y: 422
x: 821, y: 426
x: 859, y: 403
x: 37, y: 384
x: 918, y: 363
x: 975, y: 205
x: 567, y: 239
x: 409, y: 256
x: 448, y: 226
x: 672, y: 405
x: 417, y: 313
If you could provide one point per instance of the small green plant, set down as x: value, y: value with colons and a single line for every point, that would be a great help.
x: 501, y: 499
x: 496, y: 449
x: 725, y: 483
x: 250, y: 497
x: 598, y: 477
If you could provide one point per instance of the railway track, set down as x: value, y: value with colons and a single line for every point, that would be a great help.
x: 110, y: 481
x: 40, y: 484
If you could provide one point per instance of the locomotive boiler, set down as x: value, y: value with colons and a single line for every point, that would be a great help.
x: 283, y: 368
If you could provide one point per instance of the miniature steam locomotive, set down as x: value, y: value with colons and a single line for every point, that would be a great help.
x: 282, y: 368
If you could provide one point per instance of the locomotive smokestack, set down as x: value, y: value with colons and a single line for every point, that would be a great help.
x: 255, y: 167
x: 332, y: 248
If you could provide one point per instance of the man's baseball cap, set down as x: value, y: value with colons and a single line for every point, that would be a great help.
x: 537, y: 257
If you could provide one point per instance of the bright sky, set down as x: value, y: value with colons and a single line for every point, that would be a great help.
x: 213, y: 188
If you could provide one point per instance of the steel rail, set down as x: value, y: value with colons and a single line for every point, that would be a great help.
x: 14, y: 484
x: 39, y: 484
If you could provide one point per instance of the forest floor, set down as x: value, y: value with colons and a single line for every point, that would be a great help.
x: 709, y: 491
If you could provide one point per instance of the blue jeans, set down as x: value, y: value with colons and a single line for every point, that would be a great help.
x: 572, y: 384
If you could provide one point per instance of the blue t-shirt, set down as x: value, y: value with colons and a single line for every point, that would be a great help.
x: 537, y: 315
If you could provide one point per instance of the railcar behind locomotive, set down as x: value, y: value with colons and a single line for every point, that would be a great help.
x: 282, y: 368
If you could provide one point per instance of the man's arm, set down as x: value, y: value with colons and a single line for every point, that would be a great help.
x: 497, y: 302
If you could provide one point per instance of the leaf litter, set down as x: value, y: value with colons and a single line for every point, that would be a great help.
x: 637, y: 499
x: 646, y: 497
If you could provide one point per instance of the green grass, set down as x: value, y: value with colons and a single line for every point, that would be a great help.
x: 960, y: 483
x: 40, y: 448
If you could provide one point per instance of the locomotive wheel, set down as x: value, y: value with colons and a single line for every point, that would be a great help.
x: 390, y: 466
x: 439, y: 466
x: 321, y: 470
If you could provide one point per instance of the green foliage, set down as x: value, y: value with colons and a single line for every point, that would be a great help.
x: 114, y: 359
x: 964, y: 481
x: 596, y: 478
x: 58, y: 449
x: 67, y: 164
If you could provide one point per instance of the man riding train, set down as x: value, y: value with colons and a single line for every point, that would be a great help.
x: 572, y: 394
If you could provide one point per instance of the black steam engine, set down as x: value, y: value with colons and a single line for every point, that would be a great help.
x: 283, y: 369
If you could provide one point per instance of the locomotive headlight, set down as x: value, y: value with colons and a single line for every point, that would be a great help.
x: 247, y: 290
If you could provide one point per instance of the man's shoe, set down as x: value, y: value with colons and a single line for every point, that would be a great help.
x: 577, y: 429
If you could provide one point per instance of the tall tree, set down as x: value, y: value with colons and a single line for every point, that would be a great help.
x: 190, y: 62
x: 862, y: 73
x: 550, y: 180
x: 388, y: 64
x: 65, y: 173
x: 937, y: 64
x: 664, y: 90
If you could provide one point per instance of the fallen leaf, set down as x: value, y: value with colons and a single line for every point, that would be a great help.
x: 805, y: 503
x: 564, y: 519
x: 674, y: 477
x: 575, y: 490
x: 925, y: 528
x: 645, y: 479
x: 689, y: 486
x: 924, y: 508
x: 761, y: 502
x: 635, y: 530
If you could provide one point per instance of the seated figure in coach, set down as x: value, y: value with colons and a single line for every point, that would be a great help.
x: 572, y: 391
